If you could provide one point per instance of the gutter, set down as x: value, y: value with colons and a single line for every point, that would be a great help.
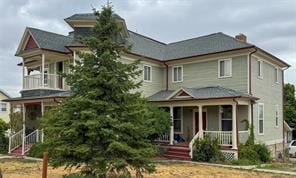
x: 250, y: 70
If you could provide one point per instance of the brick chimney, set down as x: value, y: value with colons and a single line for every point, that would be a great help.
x: 241, y: 37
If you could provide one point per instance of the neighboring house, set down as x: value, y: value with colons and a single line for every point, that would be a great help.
x: 213, y: 85
x: 4, y: 106
x: 288, y: 131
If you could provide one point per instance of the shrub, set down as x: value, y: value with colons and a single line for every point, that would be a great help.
x: 207, y: 150
x: 3, y: 138
x: 257, y: 153
x: 37, y: 150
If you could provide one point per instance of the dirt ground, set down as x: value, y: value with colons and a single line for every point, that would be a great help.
x: 31, y: 169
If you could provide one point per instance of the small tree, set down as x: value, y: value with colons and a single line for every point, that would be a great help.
x: 105, y: 126
x: 290, y: 104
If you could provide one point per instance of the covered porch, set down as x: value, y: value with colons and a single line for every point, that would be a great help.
x: 196, y: 113
x: 26, y: 114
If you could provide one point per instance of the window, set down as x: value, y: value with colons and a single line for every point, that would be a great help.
x: 293, y: 144
x: 147, y: 75
x: 177, y: 74
x: 225, y: 68
x: 260, y: 74
x: 276, y: 115
x: 3, y: 107
x: 226, y: 118
x: 177, y: 119
x: 261, y: 118
x: 276, y: 77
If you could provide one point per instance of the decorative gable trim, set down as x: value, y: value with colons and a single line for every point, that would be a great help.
x: 26, y: 38
x: 31, y: 44
x: 180, y: 94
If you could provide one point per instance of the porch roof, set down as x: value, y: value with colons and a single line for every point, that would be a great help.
x: 28, y: 98
x: 214, y: 92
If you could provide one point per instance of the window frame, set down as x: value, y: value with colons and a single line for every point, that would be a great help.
x: 6, y: 106
x: 260, y: 104
x: 260, y: 69
x: 173, y: 79
x: 224, y: 118
x: 219, y: 71
x: 150, y: 76
x: 181, y: 119
x: 277, y: 115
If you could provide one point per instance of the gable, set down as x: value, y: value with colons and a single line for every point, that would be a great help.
x: 31, y: 44
x: 180, y: 94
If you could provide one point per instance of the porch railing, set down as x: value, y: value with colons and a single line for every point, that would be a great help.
x: 15, y: 141
x: 32, y: 138
x: 191, y: 144
x: 52, y: 81
x: 163, y: 138
x: 224, y: 137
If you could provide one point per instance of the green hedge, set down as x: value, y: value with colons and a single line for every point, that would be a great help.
x: 253, y: 154
x: 37, y: 150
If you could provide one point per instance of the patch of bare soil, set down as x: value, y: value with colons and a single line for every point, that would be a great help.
x: 31, y: 169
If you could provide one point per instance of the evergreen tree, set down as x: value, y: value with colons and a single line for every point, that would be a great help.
x: 106, y: 126
x: 290, y: 105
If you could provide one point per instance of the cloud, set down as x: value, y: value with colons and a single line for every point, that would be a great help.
x: 270, y: 24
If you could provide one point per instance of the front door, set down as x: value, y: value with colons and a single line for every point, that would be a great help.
x: 204, y: 121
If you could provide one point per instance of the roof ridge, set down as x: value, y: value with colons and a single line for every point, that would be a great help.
x: 32, y: 28
x: 203, y: 36
x: 148, y: 37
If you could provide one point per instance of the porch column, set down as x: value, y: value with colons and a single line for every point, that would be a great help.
x: 24, y: 128
x: 234, y: 128
x: 23, y: 73
x: 42, y: 108
x: 172, y: 125
x: 42, y: 70
x: 200, y: 123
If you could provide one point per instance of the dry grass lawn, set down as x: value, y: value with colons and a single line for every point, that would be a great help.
x: 29, y: 169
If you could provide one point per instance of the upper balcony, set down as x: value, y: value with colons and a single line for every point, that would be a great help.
x: 48, y: 81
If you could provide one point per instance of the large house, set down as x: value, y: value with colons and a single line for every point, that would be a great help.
x: 214, y: 85
x: 4, y: 106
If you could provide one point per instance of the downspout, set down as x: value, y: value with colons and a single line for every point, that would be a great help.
x: 250, y: 70
x: 167, y: 76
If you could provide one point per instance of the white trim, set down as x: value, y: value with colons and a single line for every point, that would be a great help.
x: 277, y: 114
x: 260, y: 104
x: 193, y: 119
x: 261, y: 69
x: 177, y: 81
x: 150, y: 76
x: 225, y: 76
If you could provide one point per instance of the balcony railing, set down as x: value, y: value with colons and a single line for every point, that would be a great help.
x: 51, y: 81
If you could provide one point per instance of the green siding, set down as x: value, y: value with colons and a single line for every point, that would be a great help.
x: 270, y: 93
x: 203, y: 74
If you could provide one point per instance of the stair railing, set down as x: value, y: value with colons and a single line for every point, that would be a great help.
x: 15, y: 141
x: 32, y: 138
x: 191, y: 144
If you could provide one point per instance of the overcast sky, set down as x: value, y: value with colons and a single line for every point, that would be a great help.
x: 269, y: 24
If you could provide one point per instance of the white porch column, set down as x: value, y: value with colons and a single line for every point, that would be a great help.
x: 200, y: 121
x: 42, y: 70
x: 23, y: 73
x: 172, y: 126
x: 42, y: 108
x: 234, y: 128
x: 24, y: 128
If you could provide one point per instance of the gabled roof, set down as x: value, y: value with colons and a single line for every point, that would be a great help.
x: 214, y: 92
x: 85, y: 16
x: 4, y: 93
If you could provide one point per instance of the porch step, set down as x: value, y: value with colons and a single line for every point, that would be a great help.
x: 178, y: 151
x: 18, y: 151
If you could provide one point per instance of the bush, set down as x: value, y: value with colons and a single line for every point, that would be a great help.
x: 3, y: 138
x: 257, y: 153
x: 207, y: 150
x: 37, y: 150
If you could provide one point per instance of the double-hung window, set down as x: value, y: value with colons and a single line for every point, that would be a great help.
x: 261, y: 118
x: 260, y: 72
x: 225, y: 68
x: 147, y: 74
x: 177, y: 119
x: 276, y: 75
x: 3, y: 107
x: 276, y: 115
x: 177, y: 74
